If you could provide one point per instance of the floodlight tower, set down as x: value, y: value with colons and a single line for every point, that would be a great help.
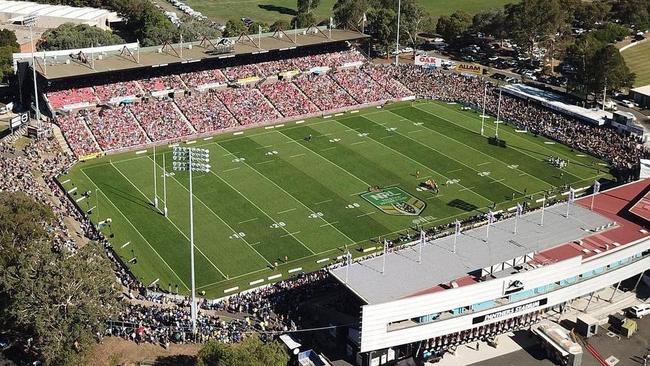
x: 30, y: 21
x: 192, y: 160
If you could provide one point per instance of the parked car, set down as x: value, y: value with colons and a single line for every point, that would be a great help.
x: 5, y: 343
x: 628, y: 103
x: 639, y: 311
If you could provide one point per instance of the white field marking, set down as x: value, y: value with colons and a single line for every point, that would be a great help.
x: 422, y: 165
x: 549, y: 143
x: 238, y: 133
x: 359, y: 142
x: 274, y: 276
x: 65, y: 181
x: 322, y: 260
x: 170, y: 220
x: 326, y: 117
x: 522, y: 174
x: 256, y: 243
x: 249, y: 220
x: 265, y: 214
x: 297, y: 155
x: 265, y: 162
x: 73, y: 190
x: 512, y: 208
x: 295, y: 269
x: 292, y: 196
x: 386, y: 137
x: 92, y: 208
x: 506, y: 131
x: 125, y: 244
x: 330, y: 224
x: 487, y: 162
x: 468, y: 189
x: 581, y: 155
x: 583, y: 188
x: 367, y: 214
x: 269, y: 127
x: 264, y: 147
x: 256, y: 282
x: 565, y: 193
x: 231, y: 289
x: 498, y: 181
x: 521, y: 131
x: 353, y: 112
x: 80, y: 199
x: 370, y: 249
x: 208, y: 138
x: 278, y: 126
x: 338, y: 114
x: 301, y: 121
x: 540, y: 200
x: 329, y: 148
x: 321, y: 202
x: 139, y: 233
x: 190, y: 142
x: 416, y: 131
x: 293, y: 234
x: 285, y: 211
x: 231, y: 169
x: 454, y: 171
x: 478, y: 151
x: 602, y: 164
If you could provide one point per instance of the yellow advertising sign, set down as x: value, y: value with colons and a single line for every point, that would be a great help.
x: 475, y: 69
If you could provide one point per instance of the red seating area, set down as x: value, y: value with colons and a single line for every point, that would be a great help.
x: 288, y: 99
x: 62, y: 98
x: 248, y: 105
x: 106, y: 92
x: 324, y: 92
x: 363, y: 88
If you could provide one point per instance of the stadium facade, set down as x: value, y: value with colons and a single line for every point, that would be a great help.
x: 424, y: 304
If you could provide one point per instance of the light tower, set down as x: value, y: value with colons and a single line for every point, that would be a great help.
x: 192, y: 160
x: 30, y: 21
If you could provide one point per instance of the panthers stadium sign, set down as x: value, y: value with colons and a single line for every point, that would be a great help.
x: 395, y: 201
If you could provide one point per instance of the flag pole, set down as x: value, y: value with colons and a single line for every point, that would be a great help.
x: 543, y: 204
x: 383, y: 266
x: 483, y: 114
x: 422, y: 241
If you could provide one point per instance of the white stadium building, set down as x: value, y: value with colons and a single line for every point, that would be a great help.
x: 422, y: 302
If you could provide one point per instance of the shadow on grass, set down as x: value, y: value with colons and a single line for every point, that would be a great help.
x: 279, y: 9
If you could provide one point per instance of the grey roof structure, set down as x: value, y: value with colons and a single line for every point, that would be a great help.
x: 24, y: 8
x: 404, y: 276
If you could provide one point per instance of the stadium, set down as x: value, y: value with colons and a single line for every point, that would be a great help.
x: 421, y: 192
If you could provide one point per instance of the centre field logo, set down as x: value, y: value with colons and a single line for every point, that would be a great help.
x: 395, y: 201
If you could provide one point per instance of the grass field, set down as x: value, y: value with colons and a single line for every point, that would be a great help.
x: 270, y: 11
x: 636, y: 59
x: 271, y: 193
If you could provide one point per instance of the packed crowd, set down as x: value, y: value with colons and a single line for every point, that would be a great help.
x: 115, y: 128
x: 200, y: 78
x: 623, y: 152
x: 324, y: 91
x: 160, y: 119
x: 76, y: 132
x: 288, y: 99
x: 159, y: 83
x: 206, y: 112
x: 61, y: 98
x: 248, y: 105
x: 106, y: 92
x: 362, y: 87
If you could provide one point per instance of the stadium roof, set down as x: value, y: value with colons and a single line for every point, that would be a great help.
x: 404, y: 277
x: 20, y: 9
x: 63, y: 66
x: 557, y: 102
x: 645, y: 90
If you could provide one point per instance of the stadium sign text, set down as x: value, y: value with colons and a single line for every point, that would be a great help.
x: 469, y: 69
x: 508, y: 312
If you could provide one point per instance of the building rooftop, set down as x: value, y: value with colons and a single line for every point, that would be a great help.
x: 645, y: 90
x: 20, y: 9
x: 60, y: 64
x: 606, y: 227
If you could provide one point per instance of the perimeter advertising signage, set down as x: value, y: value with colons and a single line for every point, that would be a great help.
x: 474, y: 69
x: 428, y: 61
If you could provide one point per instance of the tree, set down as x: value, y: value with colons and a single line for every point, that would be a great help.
x: 414, y: 19
x: 234, y: 28
x: 251, y: 352
x: 382, y: 25
x: 587, y: 14
x: 59, y: 298
x: 611, y: 33
x: 303, y: 20
x: 280, y: 24
x: 8, y: 38
x: 632, y: 12
x: 306, y: 6
x: 453, y: 26
x: 68, y: 35
x: 533, y: 20
x: 598, y: 65
x: 350, y: 13
x: 195, y: 30
x: 490, y: 22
